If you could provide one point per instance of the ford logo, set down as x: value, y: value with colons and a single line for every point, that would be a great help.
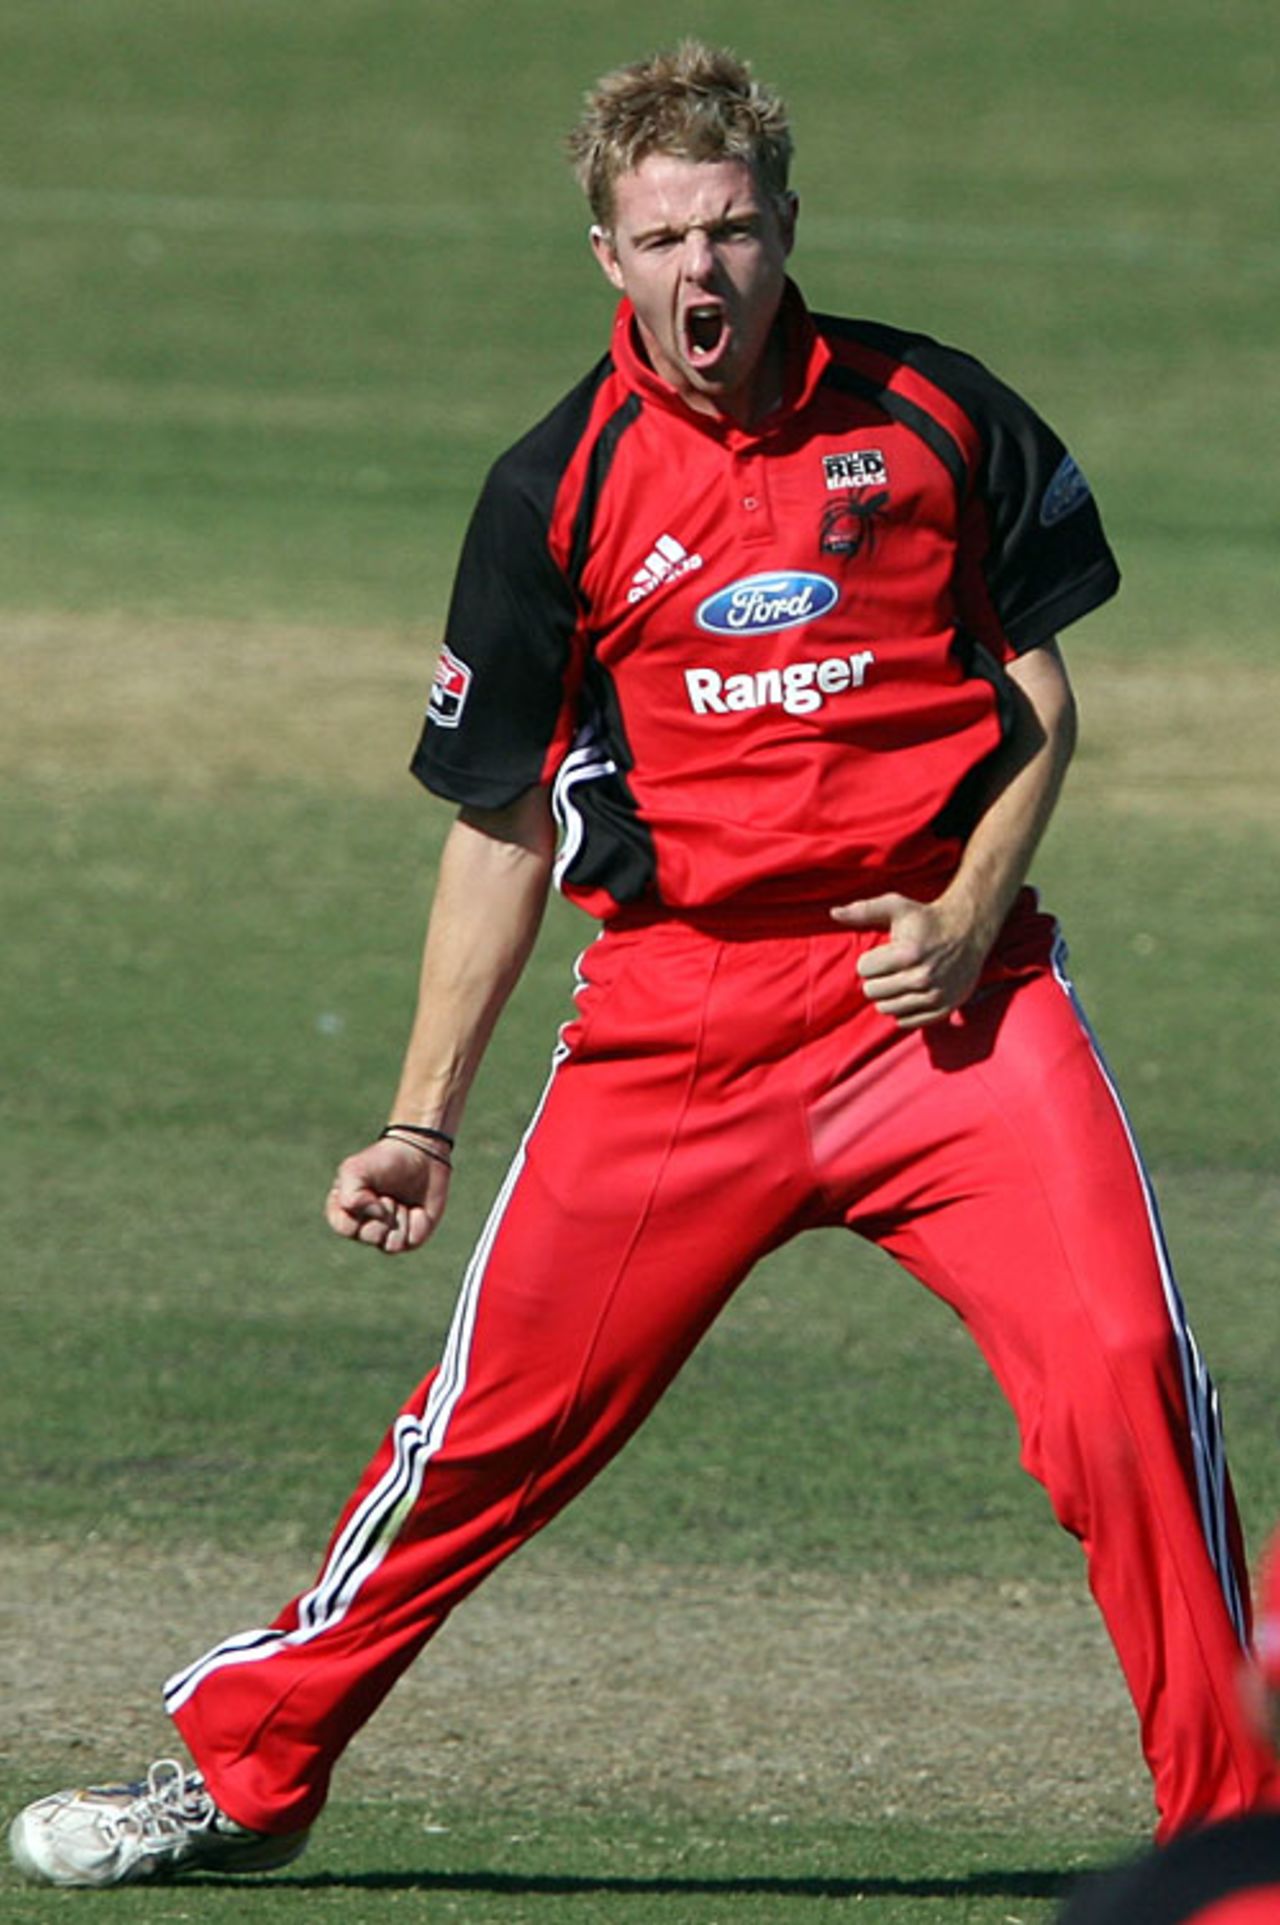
x: 762, y: 603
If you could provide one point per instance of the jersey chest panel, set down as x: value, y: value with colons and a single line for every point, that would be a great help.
x: 734, y: 593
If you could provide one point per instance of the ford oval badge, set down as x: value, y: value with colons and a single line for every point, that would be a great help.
x: 759, y: 604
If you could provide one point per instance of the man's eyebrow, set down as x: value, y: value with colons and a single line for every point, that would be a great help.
x: 731, y: 217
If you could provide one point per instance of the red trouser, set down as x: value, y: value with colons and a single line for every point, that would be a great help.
x: 716, y: 1095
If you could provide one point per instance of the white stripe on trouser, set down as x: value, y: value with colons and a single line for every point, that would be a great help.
x: 1207, y: 1444
x: 371, y: 1530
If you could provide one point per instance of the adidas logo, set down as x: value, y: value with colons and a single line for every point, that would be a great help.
x: 669, y: 559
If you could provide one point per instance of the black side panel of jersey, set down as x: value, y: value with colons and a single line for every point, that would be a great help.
x: 963, y: 807
x: 608, y: 846
x: 602, y: 454
x: 512, y: 620
x: 614, y: 849
x: 1048, y: 562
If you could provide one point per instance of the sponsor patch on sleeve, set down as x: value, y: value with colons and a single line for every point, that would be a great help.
x: 1067, y: 491
x: 450, y: 687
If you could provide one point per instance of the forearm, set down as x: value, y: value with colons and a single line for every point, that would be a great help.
x: 1021, y: 794
x: 490, y: 895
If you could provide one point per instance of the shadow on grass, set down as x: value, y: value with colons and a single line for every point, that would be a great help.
x: 985, y: 1884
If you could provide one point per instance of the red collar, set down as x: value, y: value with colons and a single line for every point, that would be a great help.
x: 807, y: 358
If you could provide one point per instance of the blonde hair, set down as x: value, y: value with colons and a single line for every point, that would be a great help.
x: 697, y: 103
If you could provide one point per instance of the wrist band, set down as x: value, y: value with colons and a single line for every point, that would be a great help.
x: 421, y: 1129
x: 441, y: 1157
x: 415, y: 1137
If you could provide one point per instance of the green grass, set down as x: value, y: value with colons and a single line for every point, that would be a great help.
x: 398, y: 1863
x: 281, y: 280
x: 195, y: 1027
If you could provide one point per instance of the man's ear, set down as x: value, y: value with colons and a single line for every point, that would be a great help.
x: 607, y: 255
x: 788, y: 214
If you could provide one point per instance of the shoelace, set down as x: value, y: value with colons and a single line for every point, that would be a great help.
x: 172, y: 1803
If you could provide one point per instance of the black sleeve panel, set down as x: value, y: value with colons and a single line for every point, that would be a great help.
x: 1035, y: 555
x: 506, y: 656
x: 1034, y: 529
x: 508, y: 665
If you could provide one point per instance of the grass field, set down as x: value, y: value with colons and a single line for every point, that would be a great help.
x: 282, y: 280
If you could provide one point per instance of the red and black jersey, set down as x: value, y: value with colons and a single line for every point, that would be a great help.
x: 760, y: 668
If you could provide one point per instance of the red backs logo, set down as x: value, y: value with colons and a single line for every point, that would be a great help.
x: 449, y: 689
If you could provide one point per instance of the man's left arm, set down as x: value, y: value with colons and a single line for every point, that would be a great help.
x: 933, y: 952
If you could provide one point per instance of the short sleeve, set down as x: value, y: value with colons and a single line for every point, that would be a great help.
x: 501, y: 685
x: 1033, y: 555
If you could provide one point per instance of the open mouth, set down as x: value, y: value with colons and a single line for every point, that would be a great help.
x: 704, y: 332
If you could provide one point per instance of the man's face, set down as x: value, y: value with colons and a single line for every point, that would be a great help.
x: 701, y: 253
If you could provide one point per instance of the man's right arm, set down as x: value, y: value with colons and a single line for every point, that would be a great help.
x: 491, y: 890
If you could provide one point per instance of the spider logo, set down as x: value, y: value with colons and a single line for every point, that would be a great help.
x: 851, y: 524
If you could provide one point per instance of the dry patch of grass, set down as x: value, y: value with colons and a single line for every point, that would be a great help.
x: 763, y: 1692
x: 1187, y: 738
x: 109, y: 700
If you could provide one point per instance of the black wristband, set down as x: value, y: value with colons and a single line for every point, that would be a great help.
x: 420, y: 1129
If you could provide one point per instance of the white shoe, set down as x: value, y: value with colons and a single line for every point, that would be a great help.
x: 118, y: 1834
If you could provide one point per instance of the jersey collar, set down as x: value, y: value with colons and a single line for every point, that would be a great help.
x: 806, y: 361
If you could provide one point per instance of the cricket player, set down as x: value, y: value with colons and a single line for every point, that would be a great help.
x: 752, y: 653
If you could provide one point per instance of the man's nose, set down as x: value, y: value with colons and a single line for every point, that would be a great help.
x: 699, y: 255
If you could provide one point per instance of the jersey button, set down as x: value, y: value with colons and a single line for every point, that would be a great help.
x: 750, y: 503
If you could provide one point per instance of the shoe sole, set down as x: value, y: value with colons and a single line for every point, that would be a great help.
x: 229, y: 1858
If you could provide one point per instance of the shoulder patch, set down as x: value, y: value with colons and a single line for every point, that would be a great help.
x: 1067, y: 491
x: 449, y: 690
